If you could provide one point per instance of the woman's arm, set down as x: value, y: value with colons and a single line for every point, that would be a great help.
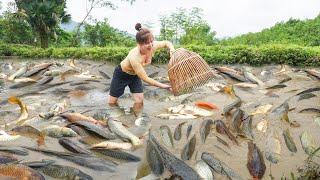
x: 163, y: 44
x: 141, y: 73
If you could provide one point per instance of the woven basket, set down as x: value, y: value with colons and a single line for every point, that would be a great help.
x: 187, y: 70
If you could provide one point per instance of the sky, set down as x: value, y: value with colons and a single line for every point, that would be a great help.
x: 228, y: 18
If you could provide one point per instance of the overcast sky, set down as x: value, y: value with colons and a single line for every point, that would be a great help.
x: 226, y: 17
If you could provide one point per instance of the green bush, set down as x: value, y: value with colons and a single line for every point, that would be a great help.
x: 236, y: 54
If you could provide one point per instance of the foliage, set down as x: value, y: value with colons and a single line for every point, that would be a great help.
x: 254, y: 55
x: 102, y: 34
x: 43, y: 16
x: 301, y: 32
x: 186, y: 27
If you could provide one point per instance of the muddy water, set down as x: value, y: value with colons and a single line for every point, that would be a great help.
x: 89, y: 101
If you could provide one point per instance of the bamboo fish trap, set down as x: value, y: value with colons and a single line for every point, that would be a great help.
x: 187, y: 70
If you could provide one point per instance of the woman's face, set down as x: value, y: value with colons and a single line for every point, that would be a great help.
x: 147, y: 46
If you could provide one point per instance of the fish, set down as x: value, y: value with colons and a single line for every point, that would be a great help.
x: 247, y: 125
x: 203, y: 169
x: 57, y: 131
x: 7, y: 158
x: 154, y: 74
x: 114, y: 145
x: 313, y: 73
x: 220, y: 140
x: 172, y: 163
x: 154, y: 160
x: 73, y: 117
x: 289, y: 141
x: 249, y: 76
x: 117, y: 128
x: 45, y: 80
x: 18, y: 73
x: 25, y: 80
x: 307, y: 142
x: 285, y: 80
x: 206, y: 105
x: 246, y: 85
x: 221, y: 128
x: 189, y: 128
x: 29, y: 131
x: 14, y: 150
x: 307, y: 110
x: 273, y: 148
x: 166, y: 136
x: 229, y: 107
x: 53, y: 72
x: 314, y: 89
x: 219, y: 166
x: 177, y: 131
x: 255, y: 162
x: 36, y: 69
x: 96, y: 129
x: 176, y: 116
x: 19, y: 171
x: 187, y: 109
x: 306, y: 96
x: 229, y: 90
x: 277, y: 86
x: 215, y: 86
x: 117, y: 154
x: 188, y: 149
x: 4, y: 137
x: 85, y: 160
x: 72, y: 146
x: 21, y: 84
x: 23, y: 109
x: 262, y: 109
x: 39, y: 164
x: 232, y: 73
x: 68, y: 73
x: 236, y: 120
x: 205, y: 129
x: 105, y: 75
x: 79, y: 130
x: 65, y: 172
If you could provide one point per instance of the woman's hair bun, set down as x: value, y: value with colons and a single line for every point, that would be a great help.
x: 138, y: 26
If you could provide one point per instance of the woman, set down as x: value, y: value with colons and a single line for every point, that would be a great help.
x: 131, y: 71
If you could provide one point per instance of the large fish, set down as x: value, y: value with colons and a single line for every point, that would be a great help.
x: 117, y: 128
x: 166, y: 136
x: 73, y: 117
x: 86, y: 160
x: 262, y: 109
x: 23, y: 109
x: 172, y: 163
x: 222, y: 129
x: 14, y: 150
x: 247, y: 125
x: 29, y: 131
x: 232, y: 73
x: 18, y: 73
x: 37, y: 69
x: 255, y: 164
x: 72, y: 146
x: 289, y: 141
x: 309, y: 90
x: 65, y: 172
x: 205, y: 129
x: 39, y: 164
x: 248, y: 75
x: 117, y: 154
x: 19, y: 172
x: 229, y: 107
x: 314, y: 73
x: 154, y: 160
x: 96, y: 129
x: 219, y: 166
x: 177, y: 131
x: 307, y: 142
x: 113, y: 145
x: 273, y: 148
x: 236, y: 121
x: 188, y: 149
x: 203, y: 169
x: 7, y: 158
x: 57, y: 131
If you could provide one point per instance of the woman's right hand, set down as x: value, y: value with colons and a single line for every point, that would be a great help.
x: 165, y: 86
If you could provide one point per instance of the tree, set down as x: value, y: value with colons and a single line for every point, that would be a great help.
x: 43, y: 16
x: 93, y: 4
x: 102, y: 34
x: 14, y: 29
x: 186, y: 27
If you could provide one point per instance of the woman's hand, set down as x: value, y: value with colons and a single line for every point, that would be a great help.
x: 165, y: 86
